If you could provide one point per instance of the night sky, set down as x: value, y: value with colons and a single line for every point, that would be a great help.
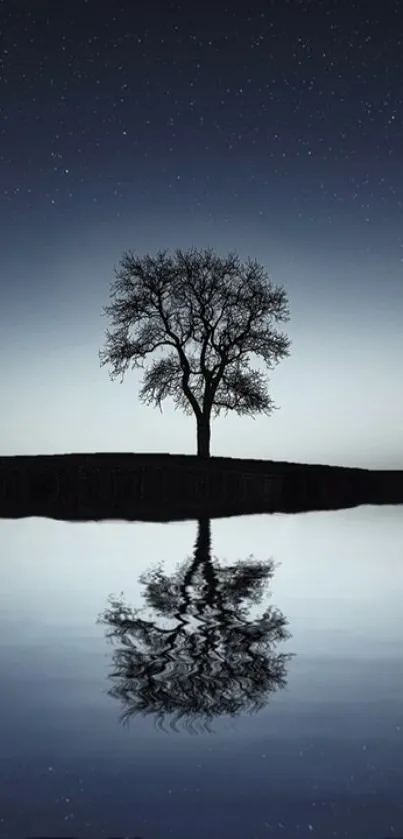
x: 272, y: 128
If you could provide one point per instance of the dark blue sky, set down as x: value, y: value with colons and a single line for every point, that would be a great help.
x: 272, y: 128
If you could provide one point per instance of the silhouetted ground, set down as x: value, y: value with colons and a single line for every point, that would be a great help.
x: 163, y: 487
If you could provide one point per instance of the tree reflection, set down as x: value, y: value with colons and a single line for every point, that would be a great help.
x: 202, y: 653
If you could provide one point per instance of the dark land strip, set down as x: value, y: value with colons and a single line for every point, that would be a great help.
x: 165, y: 487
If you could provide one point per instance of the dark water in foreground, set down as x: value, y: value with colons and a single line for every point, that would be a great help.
x: 316, y: 744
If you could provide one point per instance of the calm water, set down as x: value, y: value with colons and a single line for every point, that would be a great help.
x: 133, y: 736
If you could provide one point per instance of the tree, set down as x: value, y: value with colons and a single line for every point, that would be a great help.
x: 201, y: 651
x: 207, y: 315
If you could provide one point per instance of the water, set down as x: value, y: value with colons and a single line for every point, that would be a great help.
x: 322, y: 757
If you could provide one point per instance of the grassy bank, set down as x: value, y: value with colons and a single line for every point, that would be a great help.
x: 161, y: 486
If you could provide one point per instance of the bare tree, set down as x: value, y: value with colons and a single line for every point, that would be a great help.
x: 207, y: 315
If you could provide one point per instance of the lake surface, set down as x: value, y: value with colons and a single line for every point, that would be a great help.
x: 216, y: 724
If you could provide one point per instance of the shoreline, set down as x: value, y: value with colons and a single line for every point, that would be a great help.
x: 161, y: 486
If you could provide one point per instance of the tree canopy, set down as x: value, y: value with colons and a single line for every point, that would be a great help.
x: 202, y: 317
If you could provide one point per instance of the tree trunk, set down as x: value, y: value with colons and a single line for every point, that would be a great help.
x: 203, y: 436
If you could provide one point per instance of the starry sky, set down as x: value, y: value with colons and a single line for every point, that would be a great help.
x: 273, y: 128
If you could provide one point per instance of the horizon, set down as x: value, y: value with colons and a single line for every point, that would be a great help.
x: 147, y: 132
x: 160, y: 454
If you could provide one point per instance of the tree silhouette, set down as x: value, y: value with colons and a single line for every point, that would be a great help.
x: 208, y: 315
x: 214, y: 658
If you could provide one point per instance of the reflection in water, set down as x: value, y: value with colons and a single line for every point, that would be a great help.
x: 208, y: 656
